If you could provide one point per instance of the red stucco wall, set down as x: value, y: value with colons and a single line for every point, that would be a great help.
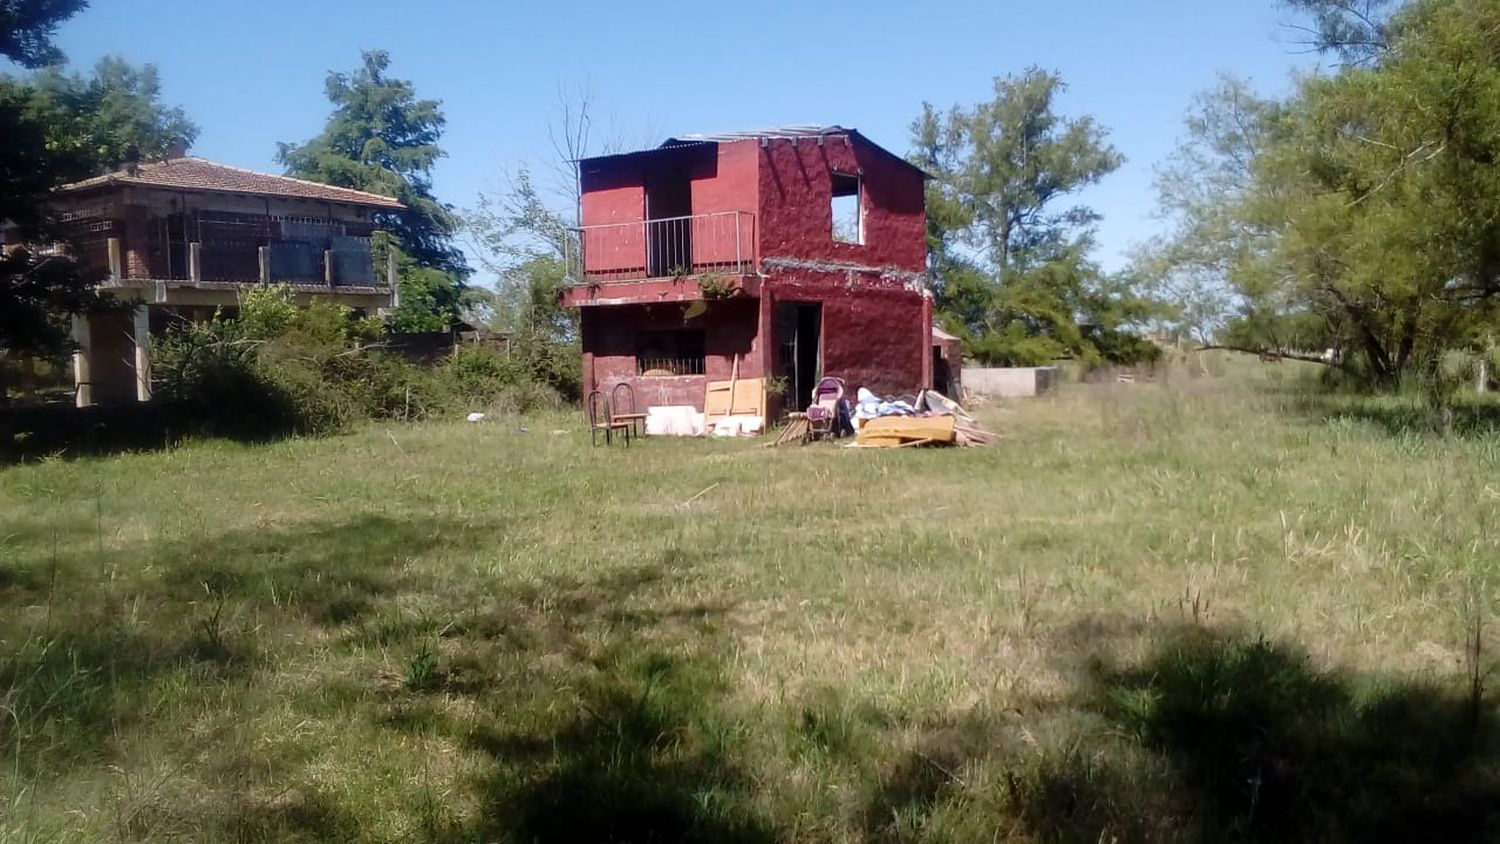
x: 796, y: 187
x: 873, y: 332
x: 611, y: 334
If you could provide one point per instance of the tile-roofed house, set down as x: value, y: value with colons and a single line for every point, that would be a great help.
x: 184, y: 237
x: 200, y: 174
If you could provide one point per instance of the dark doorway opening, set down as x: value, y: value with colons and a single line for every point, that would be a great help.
x: 669, y: 229
x: 942, y: 378
x: 799, y: 340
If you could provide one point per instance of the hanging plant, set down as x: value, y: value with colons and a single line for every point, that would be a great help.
x: 715, y: 286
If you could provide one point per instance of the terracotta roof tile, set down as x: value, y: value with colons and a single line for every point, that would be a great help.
x: 201, y: 174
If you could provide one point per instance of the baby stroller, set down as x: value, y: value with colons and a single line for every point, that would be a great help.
x: 828, y: 415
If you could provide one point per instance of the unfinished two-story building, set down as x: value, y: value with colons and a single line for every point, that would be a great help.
x: 182, y: 238
x: 788, y: 254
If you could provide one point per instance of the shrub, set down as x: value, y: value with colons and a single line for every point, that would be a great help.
x: 284, y: 369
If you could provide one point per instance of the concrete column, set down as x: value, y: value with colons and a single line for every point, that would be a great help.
x: 328, y: 267
x: 83, y: 390
x: 142, y: 334
x: 390, y: 277
x: 926, y: 335
x: 765, y: 345
x: 195, y: 262
x: 116, y: 261
x: 265, y: 265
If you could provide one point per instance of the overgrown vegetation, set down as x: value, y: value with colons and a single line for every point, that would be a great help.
x: 1209, y: 608
x: 281, y: 368
x: 1010, y: 260
x: 1359, y: 214
x: 57, y: 128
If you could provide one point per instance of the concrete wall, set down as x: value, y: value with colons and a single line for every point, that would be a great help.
x: 1011, y: 382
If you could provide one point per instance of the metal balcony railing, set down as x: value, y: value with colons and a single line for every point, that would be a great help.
x: 721, y: 242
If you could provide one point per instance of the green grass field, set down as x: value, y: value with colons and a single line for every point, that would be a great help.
x: 1211, y: 609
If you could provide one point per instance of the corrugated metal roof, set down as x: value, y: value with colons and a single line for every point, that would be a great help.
x: 808, y: 130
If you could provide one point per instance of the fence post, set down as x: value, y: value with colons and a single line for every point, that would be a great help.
x: 265, y: 264
x: 328, y: 267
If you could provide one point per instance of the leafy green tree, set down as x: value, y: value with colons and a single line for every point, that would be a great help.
x: 59, y: 128
x: 111, y: 117
x: 383, y: 139
x: 27, y: 28
x: 519, y: 238
x: 1008, y: 250
x: 1368, y: 218
x: 1004, y: 168
x: 1192, y: 269
x: 1357, y: 31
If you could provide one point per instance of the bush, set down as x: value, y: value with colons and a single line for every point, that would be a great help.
x: 283, y: 369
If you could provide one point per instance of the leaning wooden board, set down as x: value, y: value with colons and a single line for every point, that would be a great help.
x: 892, y: 431
x: 745, y: 397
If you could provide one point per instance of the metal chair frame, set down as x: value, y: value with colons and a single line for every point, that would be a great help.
x: 626, y: 412
x: 597, y: 408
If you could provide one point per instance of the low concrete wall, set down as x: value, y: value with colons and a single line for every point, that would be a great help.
x: 1011, y: 382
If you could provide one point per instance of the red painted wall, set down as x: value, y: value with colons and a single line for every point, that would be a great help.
x: 611, y: 335
x: 874, y: 333
x: 796, y: 188
x: 722, y: 178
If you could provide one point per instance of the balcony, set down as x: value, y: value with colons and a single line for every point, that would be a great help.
x: 670, y: 248
x: 346, y: 263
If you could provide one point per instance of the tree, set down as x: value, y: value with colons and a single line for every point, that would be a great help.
x: 1370, y: 220
x: 27, y: 27
x: 59, y: 128
x: 1201, y: 191
x: 1003, y: 166
x: 382, y: 139
x: 1008, y: 254
x: 109, y: 118
x: 1357, y: 31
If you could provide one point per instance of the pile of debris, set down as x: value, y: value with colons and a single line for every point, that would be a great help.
x: 933, y: 419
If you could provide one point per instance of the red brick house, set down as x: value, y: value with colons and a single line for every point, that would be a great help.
x: 789, y: 253
x: 183, y: 237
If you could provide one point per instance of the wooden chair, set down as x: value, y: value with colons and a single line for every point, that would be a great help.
x: 597, y: 408
x: 622, y: 408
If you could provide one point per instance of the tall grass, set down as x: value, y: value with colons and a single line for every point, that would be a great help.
x: 1211, y: 609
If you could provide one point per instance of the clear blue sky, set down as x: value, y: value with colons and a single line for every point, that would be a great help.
x: 251, y: 73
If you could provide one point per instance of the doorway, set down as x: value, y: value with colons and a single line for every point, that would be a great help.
x: 799, y: 341
x: 669, y: 229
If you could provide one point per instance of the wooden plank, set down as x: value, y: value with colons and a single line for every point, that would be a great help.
x: 743, y: 397
x: 935, y: 428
